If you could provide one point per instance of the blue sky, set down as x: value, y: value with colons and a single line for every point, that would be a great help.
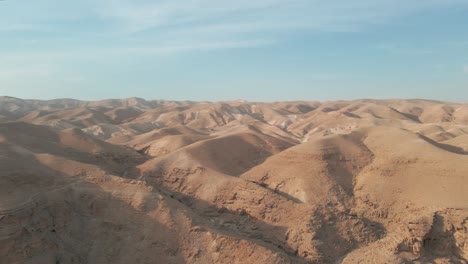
x: 261, y: 50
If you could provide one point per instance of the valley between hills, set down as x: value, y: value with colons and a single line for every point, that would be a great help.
x: 154, y: 181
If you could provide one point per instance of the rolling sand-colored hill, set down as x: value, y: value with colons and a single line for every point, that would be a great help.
x: 138, y: 181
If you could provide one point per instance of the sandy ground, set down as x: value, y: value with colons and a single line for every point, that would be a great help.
x: 137, y: 181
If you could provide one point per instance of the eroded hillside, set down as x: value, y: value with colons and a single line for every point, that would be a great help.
x: 137, y: 181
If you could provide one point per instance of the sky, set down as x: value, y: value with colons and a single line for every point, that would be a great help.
x: 262, y: 50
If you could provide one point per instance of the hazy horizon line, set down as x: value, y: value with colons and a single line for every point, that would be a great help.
x: 239, y: 100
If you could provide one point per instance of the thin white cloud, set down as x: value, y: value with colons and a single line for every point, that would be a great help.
x: 398, y: 48
x: 18, y: 27
x: 330, y: 15
x: 30, y: 65
x: 143, y: 15
x: 37, y: 70
x: 333, y: 76
x: 177, y: 48
x: 185, y: 22
x: 77, y: 53
x: 170, y: 26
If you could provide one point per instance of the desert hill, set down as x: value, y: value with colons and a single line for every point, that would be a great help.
x: 153, y: 181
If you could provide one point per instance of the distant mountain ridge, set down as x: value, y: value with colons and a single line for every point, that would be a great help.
x: 131, y: 180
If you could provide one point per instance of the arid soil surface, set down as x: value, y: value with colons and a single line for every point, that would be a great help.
x: 137, y: 181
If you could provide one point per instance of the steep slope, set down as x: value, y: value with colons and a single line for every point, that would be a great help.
x: 68, y: 118
x: 70, y: 144
x: 59, y: 210
x: 229, y: 154
x: 414, y: 186
x: 391, y: 180
x: 310, y: 171
x: 460, y: 142
x: 133, y: 180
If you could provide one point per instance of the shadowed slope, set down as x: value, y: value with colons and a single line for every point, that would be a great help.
x: 363, y: 181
